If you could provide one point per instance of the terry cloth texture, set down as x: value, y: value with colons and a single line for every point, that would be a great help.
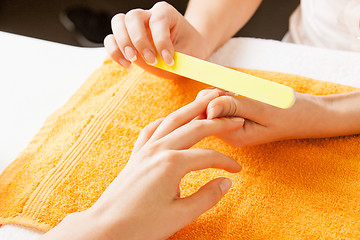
x: 288, y: 189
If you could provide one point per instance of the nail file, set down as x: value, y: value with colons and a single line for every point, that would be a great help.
x: 230, y: 80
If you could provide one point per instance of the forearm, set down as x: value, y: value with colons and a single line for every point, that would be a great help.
x: 78, y: 226
x: 217, y: 21
x: 343, y: 111
x: 325, y: 116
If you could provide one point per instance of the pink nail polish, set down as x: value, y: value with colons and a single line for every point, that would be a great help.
x: 130, y: 54
x: 149, y: 57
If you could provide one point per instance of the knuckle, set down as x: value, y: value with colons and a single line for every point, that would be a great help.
x: 228, y: 103
x: 134, y: 13
x: 149, y: 150
x: 172, y: 156
x: 145, y: 131
x: 162, y: 5
x: 139, y: 41
x: 122, y: 41
x: 197, y: 126
x: 159, y: 17
x: 167, y: 160
x: 116, y: 18
x: 164, y: 41
x: 233, y: 106
x: 173, y: 118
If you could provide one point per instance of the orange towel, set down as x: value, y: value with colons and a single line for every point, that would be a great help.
x: 289, y: 189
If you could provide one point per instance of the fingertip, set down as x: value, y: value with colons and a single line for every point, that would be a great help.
x: 214, y: 111
x: 130, y: 53
x: 225, y: 185
x: 167, y: 57
x: 233, y: 166
x: 237, y: 168
x: 106, y: 39
x: 212, y: 95
x: 149, y: 56
x: 125, y: 63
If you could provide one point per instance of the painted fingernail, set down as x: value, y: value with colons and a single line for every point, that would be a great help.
x: 225, y: 185
x: 166, y: 56
x: 130, y: 54
x: 149, y: 57
x: 124, y: 63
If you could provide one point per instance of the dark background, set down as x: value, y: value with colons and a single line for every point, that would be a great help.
x: 40, y: 18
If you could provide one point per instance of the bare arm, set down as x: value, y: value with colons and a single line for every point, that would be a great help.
x: 139, y: 35
x: 343, y: 113
x: 218, y: 20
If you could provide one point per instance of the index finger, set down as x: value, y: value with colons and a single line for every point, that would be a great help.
x: 183, y: 116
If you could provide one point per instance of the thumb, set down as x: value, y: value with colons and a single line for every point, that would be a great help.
x: 204, y: 199
x: 229, y: 106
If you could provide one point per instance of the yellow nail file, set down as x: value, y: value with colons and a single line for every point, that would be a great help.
x: 230, y: 80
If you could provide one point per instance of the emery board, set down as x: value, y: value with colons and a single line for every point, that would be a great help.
x: 246, y: 85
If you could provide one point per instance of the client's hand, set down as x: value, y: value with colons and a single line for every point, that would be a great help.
x: 144, y: 202
x: 140, y: 34
x: 310, y: 117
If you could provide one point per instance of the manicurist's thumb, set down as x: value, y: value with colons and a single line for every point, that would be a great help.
x: 206, y: 197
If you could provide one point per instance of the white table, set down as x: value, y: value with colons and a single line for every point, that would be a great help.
x: 37, y: 77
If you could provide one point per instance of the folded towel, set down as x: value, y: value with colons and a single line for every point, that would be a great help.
x: 271, y: 55
x: 296, y: 188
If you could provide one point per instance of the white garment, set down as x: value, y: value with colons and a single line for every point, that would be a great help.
x: 331, y: 24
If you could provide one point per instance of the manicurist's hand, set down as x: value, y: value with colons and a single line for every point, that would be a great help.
x: 310, y: 117
x: 144, y: 202
x: 140, y: 34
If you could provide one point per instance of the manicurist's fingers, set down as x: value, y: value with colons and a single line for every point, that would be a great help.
x: 114, y: 51
x: 196, y: 130
x: 204, y: 199
x: 136, y: 22
x: 122, y: 37
x: 163, y: 19
x: 198, y: 159
x: 183, y: 116
x: 146, y: 133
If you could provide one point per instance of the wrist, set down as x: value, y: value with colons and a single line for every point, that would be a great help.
x: 311, y: 117
x: 72, y: 226
x: 326, y: 115
x: 84, y: 225
x: 344, y: 112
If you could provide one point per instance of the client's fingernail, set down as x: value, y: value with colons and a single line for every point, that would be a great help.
x: 166, y: 56
x: 237, y: 119
x: 130, y: 54
x: 149, y: 57
x: 225, y: 185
